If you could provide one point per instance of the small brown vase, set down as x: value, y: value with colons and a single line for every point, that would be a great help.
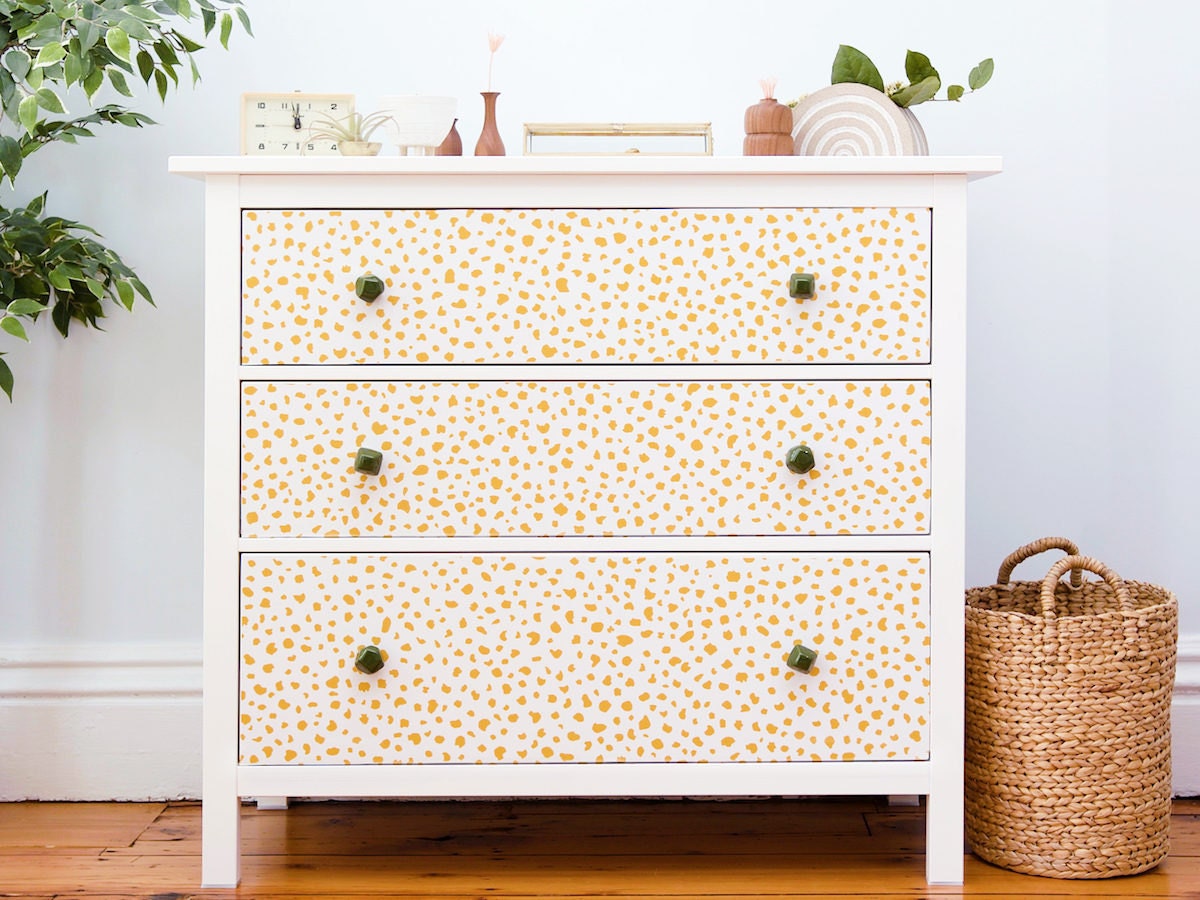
x: 489, y: 143
x: 768, y: 129
x: 452, y: 145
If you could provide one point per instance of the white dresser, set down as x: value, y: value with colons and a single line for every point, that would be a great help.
x: 594, y: 498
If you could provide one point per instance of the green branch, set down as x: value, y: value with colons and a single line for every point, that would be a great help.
x: 50, y: 264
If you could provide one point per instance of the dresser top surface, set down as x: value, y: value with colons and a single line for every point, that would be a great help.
x: 971, y: 166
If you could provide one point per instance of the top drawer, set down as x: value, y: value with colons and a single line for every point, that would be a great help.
x: 585, y: 286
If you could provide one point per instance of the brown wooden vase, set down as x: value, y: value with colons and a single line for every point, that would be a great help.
x: 489, y: 143
x: 452, y: 145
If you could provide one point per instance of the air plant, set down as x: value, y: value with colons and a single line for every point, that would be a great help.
x: 355, y: 127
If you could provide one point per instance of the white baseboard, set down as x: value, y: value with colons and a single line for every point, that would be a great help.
x: 1185, y: 719
x: 100, y: 722
x: 122, y: 722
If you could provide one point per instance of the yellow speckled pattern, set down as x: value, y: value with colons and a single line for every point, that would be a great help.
x: 568, y: 458
x: 567, y: 658
x: 588, y: 286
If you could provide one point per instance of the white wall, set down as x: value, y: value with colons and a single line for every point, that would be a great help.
x: 1082, y: 316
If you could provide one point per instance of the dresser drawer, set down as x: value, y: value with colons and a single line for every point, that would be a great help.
x: 579, y: 458
x: 574, y: 658
x: 585, y: 286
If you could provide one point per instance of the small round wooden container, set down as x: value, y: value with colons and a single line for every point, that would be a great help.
x: 768, y: 129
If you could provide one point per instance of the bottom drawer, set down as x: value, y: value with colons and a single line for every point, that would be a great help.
x: 562, y: 657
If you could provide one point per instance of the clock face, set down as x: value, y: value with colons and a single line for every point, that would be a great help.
x: 280, y: 124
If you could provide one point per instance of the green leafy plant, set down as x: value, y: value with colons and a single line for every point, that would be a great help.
x: 354, y: 127
x: 853, y: 66
x: 47, y: 263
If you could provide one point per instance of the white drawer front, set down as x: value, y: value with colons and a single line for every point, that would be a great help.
x: 573, y: 658
x: 585, y: 286
x: 568, y: 458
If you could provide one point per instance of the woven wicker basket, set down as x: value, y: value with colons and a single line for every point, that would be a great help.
x: 1068, y: 730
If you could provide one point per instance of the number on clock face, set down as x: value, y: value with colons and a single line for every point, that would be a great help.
x: 281, y: 124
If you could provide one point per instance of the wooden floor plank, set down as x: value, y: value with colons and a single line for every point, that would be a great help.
x: 33, y: 824
x: 604, y: 829
x: 483, y: 845
x: 630, y: 876
x: 525, y: 850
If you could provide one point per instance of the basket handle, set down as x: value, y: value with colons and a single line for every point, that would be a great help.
x: 1078, y: 563
x: 1033, y: 548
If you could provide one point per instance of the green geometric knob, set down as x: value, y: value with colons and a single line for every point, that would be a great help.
x: 802, y: 285
x: 369, y: 660
x: 801, y: 658
x: 800, y: 459
x: 368, y: 287
x: 368, y: 461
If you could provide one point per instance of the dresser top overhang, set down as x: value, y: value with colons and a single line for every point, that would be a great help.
x: 973, y: 167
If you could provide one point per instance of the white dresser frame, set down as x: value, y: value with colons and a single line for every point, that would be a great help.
x: 235, y: 183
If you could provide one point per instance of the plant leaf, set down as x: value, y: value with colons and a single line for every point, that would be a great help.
x: 14, y: 327
x: 10, y: 156
x: 955, y: 92
x: 981, y: 74
x: 49, y: 100
x: 145, y: 64
x: 49, y: 55
x: 88, y: 34
x: 18, y: 62
x: 6, y: 379
x: 73, y: 68
x: 125, y: 294
x: 917, y: 93
x: 92, y: 81
x: 226, y: 29
x: 25, y: 307
x: 61, y: 317
x: 60, y: 278
x: 187, y: 44
x: 28, y: 112
x: 166, y: 53
x: 853, y: 66
x: 118, y: 81
x: 245, y: 20
x: 118, y: 42
x: 918, y: 67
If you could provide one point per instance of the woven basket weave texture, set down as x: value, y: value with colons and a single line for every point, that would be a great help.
x: 1068, y: 729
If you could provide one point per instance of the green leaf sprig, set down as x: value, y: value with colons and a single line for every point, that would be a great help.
x: 851, y: 65
x: 49, y: 264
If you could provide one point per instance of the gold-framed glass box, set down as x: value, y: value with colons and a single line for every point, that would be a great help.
x: 618, y: 138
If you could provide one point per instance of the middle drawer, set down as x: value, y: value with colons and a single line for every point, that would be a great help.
x: 584, y: 458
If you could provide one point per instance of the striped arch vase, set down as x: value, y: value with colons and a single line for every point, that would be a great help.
x: 855, y: 120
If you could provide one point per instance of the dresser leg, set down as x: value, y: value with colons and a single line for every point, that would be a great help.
x: 944, y: 838
x: 220, y: 821
x: 271, y: 803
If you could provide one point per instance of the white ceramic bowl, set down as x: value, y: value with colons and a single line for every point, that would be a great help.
x: 420, y: 122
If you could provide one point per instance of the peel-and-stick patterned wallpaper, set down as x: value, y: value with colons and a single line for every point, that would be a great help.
x: 561, y: 657
x: 585, y: 286
x: 570, y: 458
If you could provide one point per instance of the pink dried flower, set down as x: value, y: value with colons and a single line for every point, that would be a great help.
x: 768, y: 86
x: 494, y: 42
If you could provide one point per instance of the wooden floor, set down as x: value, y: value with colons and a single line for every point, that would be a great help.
x: 527, y: 849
